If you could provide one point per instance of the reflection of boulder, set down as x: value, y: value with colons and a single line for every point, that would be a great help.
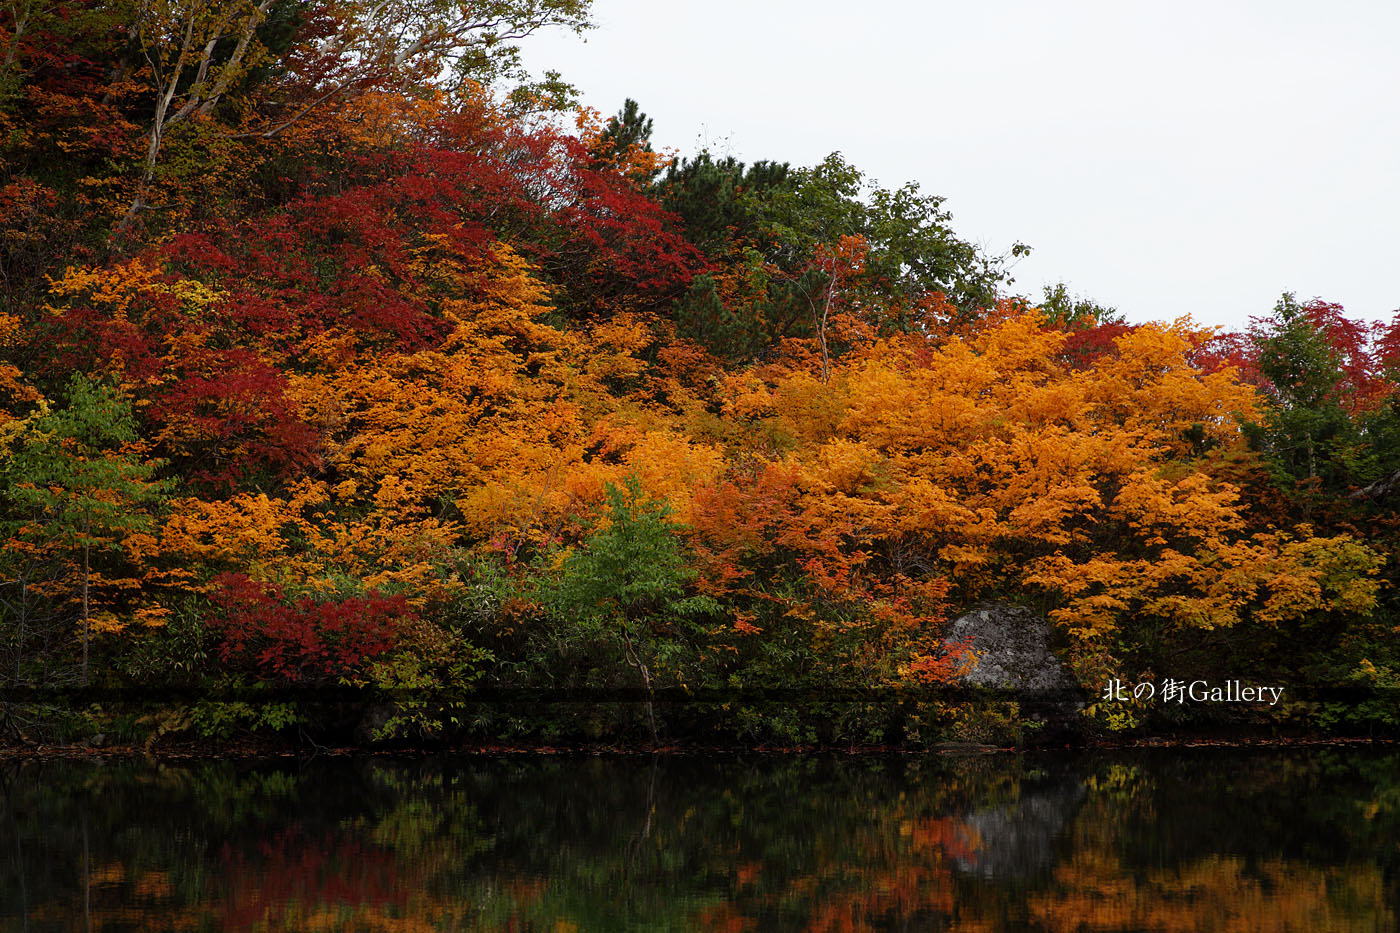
x: 1010, y: 650
x: 1016, y: 841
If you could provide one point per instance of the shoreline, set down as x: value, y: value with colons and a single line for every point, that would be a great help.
x: 271, y: 751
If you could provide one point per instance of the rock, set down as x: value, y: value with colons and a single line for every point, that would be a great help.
x: 1379, y: 491
x: 1010, y: 650
x: 1011, y: 647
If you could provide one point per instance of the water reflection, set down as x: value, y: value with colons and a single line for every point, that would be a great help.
x: 1015, y: 840
x: 1170, y: 840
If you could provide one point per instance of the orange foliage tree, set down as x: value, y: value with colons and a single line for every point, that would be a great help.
x: 984, y: 461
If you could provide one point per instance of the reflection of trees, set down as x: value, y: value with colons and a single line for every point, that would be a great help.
x: 1230, y: 841
x: 1095, y: 891
x: 1175, y: 841
x: 223, y: 846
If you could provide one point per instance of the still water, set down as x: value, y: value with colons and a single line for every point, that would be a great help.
x: 1184, y: 839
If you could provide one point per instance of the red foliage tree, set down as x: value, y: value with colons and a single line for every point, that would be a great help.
x: 1084, y: 346
x: 301, y: 640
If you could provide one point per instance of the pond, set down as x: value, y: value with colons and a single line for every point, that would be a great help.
x: 1158, y: 839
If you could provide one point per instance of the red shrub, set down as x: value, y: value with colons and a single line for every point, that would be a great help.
x: 302, y: 640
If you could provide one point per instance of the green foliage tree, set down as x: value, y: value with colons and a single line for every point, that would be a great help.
x: 766, y: 307
x: 722, y: 201
x: 627, y: 581
x: 1306, y: 434
x: 77, y: 486
x: 1061, y: 306
x: 774, y: 217
x: 913, y: 250
x: 629, y: 130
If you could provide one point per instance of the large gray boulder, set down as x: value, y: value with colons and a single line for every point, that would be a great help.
x: 1010, y: 648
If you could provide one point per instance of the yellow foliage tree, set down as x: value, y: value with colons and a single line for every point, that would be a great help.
x: 983, y: 459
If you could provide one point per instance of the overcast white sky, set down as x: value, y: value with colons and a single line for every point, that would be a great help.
x: 1162, y: 158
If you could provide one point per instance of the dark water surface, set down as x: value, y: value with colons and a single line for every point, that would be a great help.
x: 1182, y: 839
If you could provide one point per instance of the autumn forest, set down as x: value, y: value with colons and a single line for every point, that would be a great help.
x: 341, y: 358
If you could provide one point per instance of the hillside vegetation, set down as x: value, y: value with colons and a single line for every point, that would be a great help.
x: 333, y: 355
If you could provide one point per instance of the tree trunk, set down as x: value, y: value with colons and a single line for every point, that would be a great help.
x: 821, y: 327
x: 646, y: 680
x: 20, y: 21
x: 23, y: 617
x: 87, y: 573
